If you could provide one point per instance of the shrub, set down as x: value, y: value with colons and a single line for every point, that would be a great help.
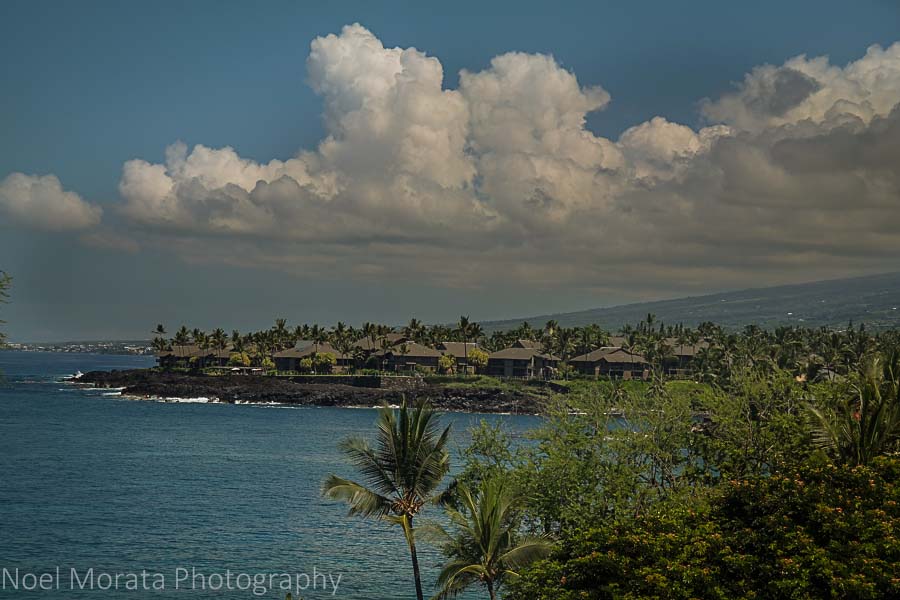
x: 324, y: 362
x: 821, y: 531
x: 447, y: 364
x: 478, y: 358
x: 239, y: 359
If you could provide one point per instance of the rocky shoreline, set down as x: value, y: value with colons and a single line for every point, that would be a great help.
x: 145, y: 383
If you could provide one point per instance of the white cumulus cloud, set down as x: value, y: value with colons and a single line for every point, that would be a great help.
x: 793, y: 173
x: 40, y: 202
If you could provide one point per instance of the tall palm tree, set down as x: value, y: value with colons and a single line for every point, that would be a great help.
x: 281, y: 333
x: 344, y: 345
x: 869, y: 423
x: 400, y: 473
x: 370, y: 332
x: 219, y: 341
x: 467, y: 331
x: 181, y: 339
x: 484, y: 547
x: 159, y: 345
x: 319, y: 335
x: 414, y: 330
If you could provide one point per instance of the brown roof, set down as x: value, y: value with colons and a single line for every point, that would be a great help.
x: 622, y: 356
x: 393, y: 338
x: 415, y: 350
x: 457, y: 349
x: 686, y: 349
x: 528, y: 344
x: 180, y: 351
x: 609, y: 354
x: 302, y: 352
x: 515, y: 353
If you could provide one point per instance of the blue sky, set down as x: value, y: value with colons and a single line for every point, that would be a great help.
x: 91, y: 85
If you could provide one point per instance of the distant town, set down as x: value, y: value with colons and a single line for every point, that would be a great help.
x: 137, y: 347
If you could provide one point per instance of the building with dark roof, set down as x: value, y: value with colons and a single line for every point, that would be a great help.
x: 409, y: 356
x: 526, y: 363
x: 611, y: 361
x: 289, y: 360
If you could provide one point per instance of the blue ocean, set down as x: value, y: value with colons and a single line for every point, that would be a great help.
x: 101, y: 496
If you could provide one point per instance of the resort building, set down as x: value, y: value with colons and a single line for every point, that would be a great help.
x: 289, y: 360
x: 460, y: 351
x: 392, y: 339
x: 681, y: 363
x: 409, y: 356
x: 530, y: 344
x: 611, y: 361
x: 191, y: 355
x: 525, y: 363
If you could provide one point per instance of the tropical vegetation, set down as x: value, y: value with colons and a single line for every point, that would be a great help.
x: 400, y: 474
x: 772, y: 470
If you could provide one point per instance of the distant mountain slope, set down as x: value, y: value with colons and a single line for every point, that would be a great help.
x: 873, y: 300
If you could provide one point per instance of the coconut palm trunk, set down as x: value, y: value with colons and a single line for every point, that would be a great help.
x: 401, y: 472
x: 410, y: 534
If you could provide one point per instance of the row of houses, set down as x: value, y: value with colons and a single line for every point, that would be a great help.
x: 525, y: 359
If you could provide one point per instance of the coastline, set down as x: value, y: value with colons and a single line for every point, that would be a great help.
x: 146, y: 384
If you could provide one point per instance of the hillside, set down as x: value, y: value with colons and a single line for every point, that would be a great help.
x: 873, y: 300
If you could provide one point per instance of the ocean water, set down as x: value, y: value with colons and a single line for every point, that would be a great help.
x: 185, y: 491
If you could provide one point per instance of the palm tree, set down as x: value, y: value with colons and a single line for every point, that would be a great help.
x: 400, y: 473
x: 319, y: 336
x: 525, y: 331
x: 281, y: 333
x: 484, y: 547
x: 414, y: 330
x: 181, y: 339
x: 219, y: 341
x: 467, y: 330
x: 370, y: 332
x: 344, y: 345
x: 159, y: 345
x: 869, y: 423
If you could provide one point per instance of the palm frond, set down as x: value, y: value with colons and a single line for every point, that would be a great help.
x: 455, y: 577
x: 526, y: 552
x: 362, y: 501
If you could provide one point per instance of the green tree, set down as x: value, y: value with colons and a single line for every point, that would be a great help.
x: 400, y: 473
x: 414, y: 330
x: 219, y: 341
x: 447, y: 364
x: 180, y: 340
x: 478, y: 358
x: 868, y: 423
x: 822, y: 531
x: 239, y: 359
x: 324, y: 362
x: 467, y: 330
x: 483, y: 546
